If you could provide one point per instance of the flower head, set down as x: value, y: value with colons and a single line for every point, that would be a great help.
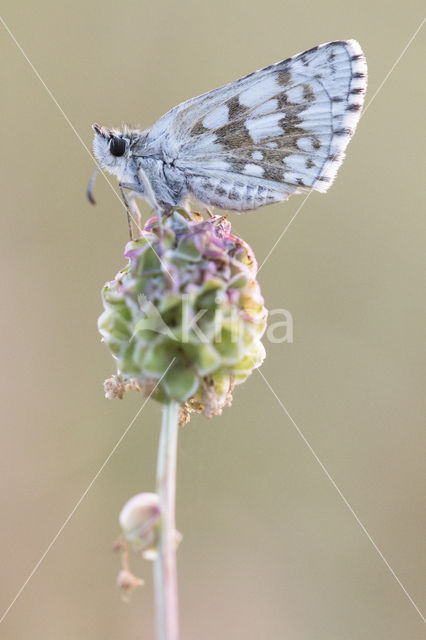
x: 185, y: 317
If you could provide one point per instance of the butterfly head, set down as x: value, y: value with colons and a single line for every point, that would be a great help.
x: 111, y: 149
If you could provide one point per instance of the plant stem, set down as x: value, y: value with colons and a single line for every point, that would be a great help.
x: 165, y: 573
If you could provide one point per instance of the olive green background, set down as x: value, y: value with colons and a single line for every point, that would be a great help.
x: 270, y: 550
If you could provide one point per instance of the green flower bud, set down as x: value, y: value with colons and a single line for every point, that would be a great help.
x: 185, y: 317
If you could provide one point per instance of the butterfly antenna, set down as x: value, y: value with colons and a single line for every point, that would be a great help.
x: 89, y: 191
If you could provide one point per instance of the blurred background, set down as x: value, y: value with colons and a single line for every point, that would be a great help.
x: 270, y: 550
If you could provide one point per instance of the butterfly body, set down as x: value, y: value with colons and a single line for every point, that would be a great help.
x: 278, y: 131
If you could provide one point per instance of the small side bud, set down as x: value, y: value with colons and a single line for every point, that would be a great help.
x: 139, y: 518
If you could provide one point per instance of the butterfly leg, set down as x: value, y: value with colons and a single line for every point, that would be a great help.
x: 137, y: 215
x: 144, y: 187
x: 151, y: 197
x: 131, y: 206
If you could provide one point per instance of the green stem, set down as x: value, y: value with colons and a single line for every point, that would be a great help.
x: 165, y: 573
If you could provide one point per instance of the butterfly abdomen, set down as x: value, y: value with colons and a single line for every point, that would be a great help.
x: 232, y: 195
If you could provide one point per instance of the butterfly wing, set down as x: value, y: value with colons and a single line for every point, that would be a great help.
x: 272, y: 133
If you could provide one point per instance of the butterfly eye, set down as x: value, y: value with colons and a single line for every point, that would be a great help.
x: 117, y: 146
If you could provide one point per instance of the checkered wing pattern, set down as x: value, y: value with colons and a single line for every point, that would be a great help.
x: 275, y: 132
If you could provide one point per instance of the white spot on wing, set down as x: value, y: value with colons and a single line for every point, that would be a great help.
x: 291, y: 177
x: 295, y: 162
x: 259, y: 91
x: 264, y: 127
x: 217, y: 118
x: 218, y: 165
x: 358, y: 83
x: 257, y: 155
x: 267, y: 107
x: 296, y: 94
x: 305, y: 144
x: 253, y: 170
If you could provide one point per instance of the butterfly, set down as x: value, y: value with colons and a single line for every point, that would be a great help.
x: 278, y: 131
